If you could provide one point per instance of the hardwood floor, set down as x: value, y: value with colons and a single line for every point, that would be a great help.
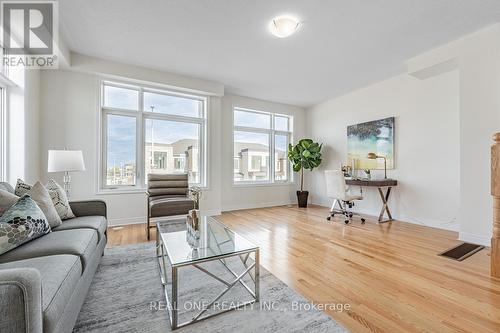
x: 390, y: 274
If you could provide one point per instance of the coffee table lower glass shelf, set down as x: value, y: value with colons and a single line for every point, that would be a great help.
x: 216, y: 243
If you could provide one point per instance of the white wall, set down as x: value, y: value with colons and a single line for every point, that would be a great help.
x: 69, y: 104
x: 241, y: 196
x: 70, y: 112
x: 478, y: 61
x: 426, y: 145
x: 479, y: 64
x: 452, y: 179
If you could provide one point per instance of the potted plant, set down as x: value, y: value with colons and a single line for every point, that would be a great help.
x: 306, y: 154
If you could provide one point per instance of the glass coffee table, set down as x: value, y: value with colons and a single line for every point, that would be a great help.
x: 216, y: 243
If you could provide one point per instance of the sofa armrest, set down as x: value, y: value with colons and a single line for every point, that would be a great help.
x: 20, y: 300
x: 89, y: 207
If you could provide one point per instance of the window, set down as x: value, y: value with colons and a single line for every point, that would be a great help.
x: 260, y: 144
x: 3, y: 135
x: 121, y: 148
x: 177, y: 143
x: 4, y: 79
x: 147, y: 130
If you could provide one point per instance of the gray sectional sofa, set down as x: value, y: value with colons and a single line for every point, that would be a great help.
x: 43, y: 283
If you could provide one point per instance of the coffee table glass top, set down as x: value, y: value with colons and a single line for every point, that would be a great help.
x: 215, y: 240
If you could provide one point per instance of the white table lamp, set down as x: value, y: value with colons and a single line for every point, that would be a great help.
x: 65, y: 161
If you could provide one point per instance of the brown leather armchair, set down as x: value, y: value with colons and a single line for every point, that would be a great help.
x: 167, y: 196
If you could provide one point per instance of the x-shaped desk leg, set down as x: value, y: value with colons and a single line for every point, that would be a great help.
x: 385, y: 207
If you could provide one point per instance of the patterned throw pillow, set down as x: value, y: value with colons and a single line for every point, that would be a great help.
x: 60, y: 200
x: 22, y: 188
x: 21, y: 223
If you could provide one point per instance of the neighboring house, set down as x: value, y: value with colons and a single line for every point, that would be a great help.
x: 181, y: 156
x: 251, y: 162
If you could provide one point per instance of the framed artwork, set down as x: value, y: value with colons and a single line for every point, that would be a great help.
x: 371, y: 137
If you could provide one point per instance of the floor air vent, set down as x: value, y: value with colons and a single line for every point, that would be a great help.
x: 462, y: 251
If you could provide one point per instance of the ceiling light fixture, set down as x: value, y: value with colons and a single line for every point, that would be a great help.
x: 284, y: 26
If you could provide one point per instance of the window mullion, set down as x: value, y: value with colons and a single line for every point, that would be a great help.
x: 3, y: 134
x: 104, y: 148
x: 271, y: 152
x: 252, y: 129
x: 169, y: 117
x: 140, y: 156
x: 120, y: 112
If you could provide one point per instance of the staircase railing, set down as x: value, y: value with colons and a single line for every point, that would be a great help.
x: 495, y: 192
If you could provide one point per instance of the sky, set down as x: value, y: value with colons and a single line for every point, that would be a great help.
x: 122, y: 130
x: 121, y: 147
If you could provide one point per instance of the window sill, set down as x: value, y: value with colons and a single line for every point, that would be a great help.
x: 243, y: 185
x: 120, y: 191
x: 107, y: 191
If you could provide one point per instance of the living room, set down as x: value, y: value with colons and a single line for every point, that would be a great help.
x: 250, y: 166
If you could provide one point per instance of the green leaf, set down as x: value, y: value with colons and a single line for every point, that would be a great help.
x: 305, y: 143
x: 305, y: 154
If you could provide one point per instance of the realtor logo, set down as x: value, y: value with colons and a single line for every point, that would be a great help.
x: 30, y: 31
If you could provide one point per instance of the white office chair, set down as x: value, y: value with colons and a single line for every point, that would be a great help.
x: 337, y: 190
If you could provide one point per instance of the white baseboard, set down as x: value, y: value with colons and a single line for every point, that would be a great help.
x: 450, y: 225
x: 229, y: 208
x: 475, y: 239
x: 142, y: 219
x: 446, y: 225
x: 127, y: 220
x: 210, y: 212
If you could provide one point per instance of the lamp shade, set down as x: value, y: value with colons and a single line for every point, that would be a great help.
x: 65, y: 160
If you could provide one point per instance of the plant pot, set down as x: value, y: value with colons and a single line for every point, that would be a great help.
x: 302, y: 198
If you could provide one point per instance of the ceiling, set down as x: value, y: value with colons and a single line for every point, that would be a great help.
x: 341, y: 45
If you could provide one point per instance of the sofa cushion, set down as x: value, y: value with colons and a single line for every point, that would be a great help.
x: 97, y: 223
x: 169, y: 206
x: 59, y: 274
x: 21, y: 223
x: 80, y: 242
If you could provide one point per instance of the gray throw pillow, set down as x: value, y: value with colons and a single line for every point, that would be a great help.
x: 42, y: 198
x: 21, y: 223
x: 60, y: 200
x: 57, y: 195
x: 7, y: 199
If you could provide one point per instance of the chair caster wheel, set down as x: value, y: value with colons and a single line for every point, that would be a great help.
x: 346, y: 221
x: 329, y: 218
x: 363, y: 221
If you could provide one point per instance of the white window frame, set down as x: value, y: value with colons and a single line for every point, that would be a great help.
x: 3, y: 132
x: 271, y: 133
x: 5, y: 82
x: 141, y: 116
